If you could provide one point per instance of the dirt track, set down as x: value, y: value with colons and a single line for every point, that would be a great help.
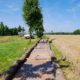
x: 39, y: 65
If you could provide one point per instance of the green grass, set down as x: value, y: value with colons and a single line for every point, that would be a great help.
x: 11, y: 49
x: 44, y: 37
x: 58, y: 55
x: 56, y: 52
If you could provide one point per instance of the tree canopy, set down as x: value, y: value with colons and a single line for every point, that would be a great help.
x: 33, y: 16
x: 5, y: 30
x: 77, y: 31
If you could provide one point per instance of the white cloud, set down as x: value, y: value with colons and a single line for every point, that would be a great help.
x: 13, y: 8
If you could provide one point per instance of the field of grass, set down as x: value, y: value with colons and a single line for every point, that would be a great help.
x: 11, y: 49
x: 69, y: 46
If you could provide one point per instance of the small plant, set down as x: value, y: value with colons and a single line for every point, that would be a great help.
x: 60, y: 60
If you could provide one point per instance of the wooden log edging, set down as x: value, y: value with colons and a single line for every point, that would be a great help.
x: 11, y: 72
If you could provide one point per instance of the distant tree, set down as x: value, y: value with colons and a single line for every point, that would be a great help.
x: 6, y: 30
x: 77, y: 31
x: 15, y: 31
x: 11, y: 31
x: 1, y: 28
x: 20, y: 29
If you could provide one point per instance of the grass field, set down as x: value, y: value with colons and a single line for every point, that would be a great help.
x: 11, y: 49
x: 69, y: 46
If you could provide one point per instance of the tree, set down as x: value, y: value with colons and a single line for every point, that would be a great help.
x: 1, y: 28
x: 20, y: 29
x: 39, y: 33
x: 6, y: 30
x: 32, y: 15
x: 15, y: 31
x: 77, y: 31
x: 40, y: 29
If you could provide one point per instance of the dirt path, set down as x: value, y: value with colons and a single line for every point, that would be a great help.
x: 39, y: 66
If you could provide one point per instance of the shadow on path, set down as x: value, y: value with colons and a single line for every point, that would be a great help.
x: 34, y: 72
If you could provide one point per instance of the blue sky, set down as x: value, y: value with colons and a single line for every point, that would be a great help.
x: 59, y: 15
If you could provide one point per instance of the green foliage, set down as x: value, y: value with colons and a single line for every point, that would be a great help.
x: 60, y: 33
x: 39, y: 31
x: 39, y: 34
x: 19, y: 29
x: 44, y: 37
x: 5, y: 30
x: 1, y: 28
x: 33, y: 16
x: 64, y: 63
x: 77, y: 31
x: 57, y: 52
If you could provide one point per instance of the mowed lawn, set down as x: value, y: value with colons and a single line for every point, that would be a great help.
x: 11, y: 49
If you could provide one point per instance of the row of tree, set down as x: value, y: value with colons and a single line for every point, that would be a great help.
x: 77, y: 31
x: 5, y: 30
x: 33, y: 17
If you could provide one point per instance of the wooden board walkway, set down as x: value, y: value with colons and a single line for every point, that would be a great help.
x: 39, y: 65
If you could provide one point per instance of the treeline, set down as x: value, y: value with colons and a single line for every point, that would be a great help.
x: 76, y: 32
x: 59, y: 33
x: 5, y: 30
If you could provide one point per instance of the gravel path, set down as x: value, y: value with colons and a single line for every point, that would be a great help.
x: 39, y: 66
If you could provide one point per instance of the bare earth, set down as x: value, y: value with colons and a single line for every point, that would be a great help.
x: 39, y: 66
x: 69, y: 45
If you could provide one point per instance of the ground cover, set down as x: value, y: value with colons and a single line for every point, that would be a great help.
x: 11, y: 49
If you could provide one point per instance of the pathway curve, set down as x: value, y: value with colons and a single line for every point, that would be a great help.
x: 39, y: 66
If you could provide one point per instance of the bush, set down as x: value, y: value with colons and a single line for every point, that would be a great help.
x: 77, y: 31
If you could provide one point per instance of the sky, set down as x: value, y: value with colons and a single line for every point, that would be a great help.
x: 58, y: 15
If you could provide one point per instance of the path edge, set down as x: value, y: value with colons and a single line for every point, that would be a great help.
x: 11, y: 72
